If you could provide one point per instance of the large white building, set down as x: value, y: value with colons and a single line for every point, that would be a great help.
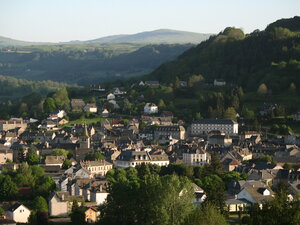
x: 132, y: 158
x: 97, y: 168
x: 204, y: 126
x: 150, y: 108
x: 195, y: 157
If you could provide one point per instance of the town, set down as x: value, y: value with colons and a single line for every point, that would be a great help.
x: 79, y: 158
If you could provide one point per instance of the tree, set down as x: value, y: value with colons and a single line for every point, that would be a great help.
x: 62, y: 100
x: 292, y: 87
x: 77, y: 214
x: 32, y: 157
x: 194, y: 79
x: 1, y: 211
x: 207, y: 215
x: 127, y: 105
x: 94, y: 156
x: 262, y: 89
x: 161, y: 103
x: 40, y: 204
x: 176, y: 83
x: 66, y: 164
x: 49, y: 105
x: 60, y: 152
x: 214, y: 188
x: 230, y: 113
x: 8, y: 189
x: 141, y: 197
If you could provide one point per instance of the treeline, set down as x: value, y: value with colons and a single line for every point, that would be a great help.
x: 13, y: 88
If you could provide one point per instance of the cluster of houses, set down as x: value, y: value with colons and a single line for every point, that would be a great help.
x: 159, y: 141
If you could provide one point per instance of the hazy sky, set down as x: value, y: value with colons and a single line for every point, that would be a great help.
x: 65, y: 20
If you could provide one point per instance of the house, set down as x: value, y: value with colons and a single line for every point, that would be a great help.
x: 77, y: 104
x: 175, y: 131
x: 60, y: 203
x: 52, y: 160
x: 219, y: 82
x: 6, y: 220
x: 117, y: 91
x: 57, y: 114
x: 114, y: 103
x: 183, y: 83
x: 204, y: 126
x: 150, y: 108
x: 152, y: 83
x: 90, y: 107
x: 19, y: 213
x: 6, y: 154
x: 230, y: 162
x: 254, y: 193
x: 195, y: 157
x: 267, y: 109
x: 141, y: 83
x: 222, y: 140
x: 91, y: 215
x: 297, y: 116
x: 200, y: 196
x: 97, y: 168
x: 110, y: 96
x: 99, y: 192
x: 105, y: 113
x: 95, y: 87
x: 292, y: 139
x: 131, y: 158
x: 234, y: 205
x: 13, y: 123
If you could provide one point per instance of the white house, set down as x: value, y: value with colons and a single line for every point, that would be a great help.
x: 57, y: 114
x: 105, y: 113
x: 90, y: 108
x: 131, y: 158
x: 255, y: 192
x: 98, y: 194
x: 195, y: 157
x: 219, y: 82
x: 111, y: 96
x: 150, y: 108
x: 19, y: 213
x: 119, y: 92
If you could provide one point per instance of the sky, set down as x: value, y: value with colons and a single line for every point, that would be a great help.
x: 66, y: 20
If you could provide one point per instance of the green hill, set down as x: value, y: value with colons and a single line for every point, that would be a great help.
x: 271, y: 57
x: 88, y: 63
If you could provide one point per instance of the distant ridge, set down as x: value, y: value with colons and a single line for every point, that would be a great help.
x: 161, y: 36
x: 165, y: 36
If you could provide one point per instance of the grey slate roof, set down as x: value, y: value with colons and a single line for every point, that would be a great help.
x: 214, y: 121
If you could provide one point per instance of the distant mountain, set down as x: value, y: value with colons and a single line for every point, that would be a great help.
x: 165, y: 36
x: 5, y: 42
x: 271, y: 57
x: 162, y: 36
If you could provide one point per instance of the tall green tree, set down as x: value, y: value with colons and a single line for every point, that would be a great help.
x: 8, y: 189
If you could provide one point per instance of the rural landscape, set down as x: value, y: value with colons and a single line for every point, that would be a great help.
x: 160, y: 127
